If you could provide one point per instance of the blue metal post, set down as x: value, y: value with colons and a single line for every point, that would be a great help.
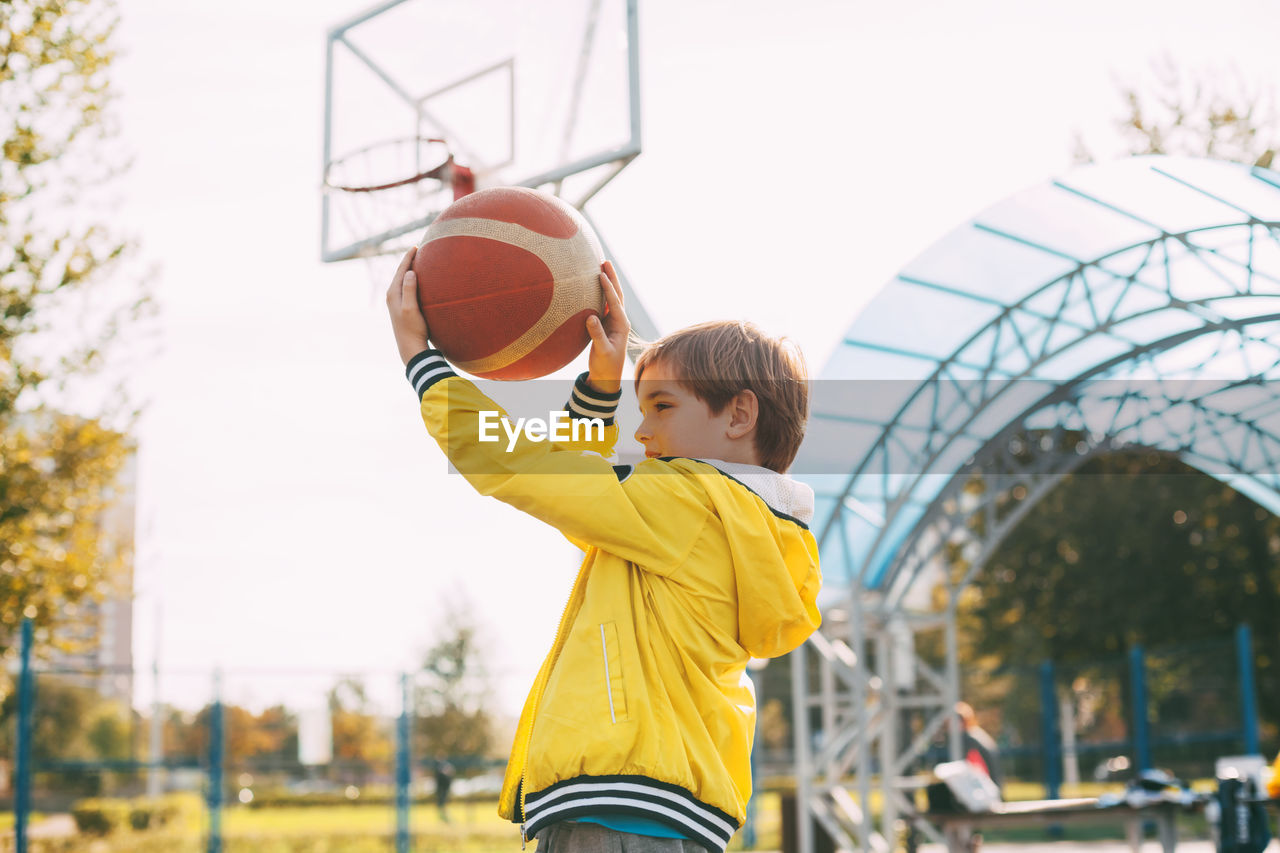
x: 216, y: 757
x: 26, y: 718
x: 1051, y: 743
x: 403, y: 769
x: 1248, y: 691
x: 1141, y: 720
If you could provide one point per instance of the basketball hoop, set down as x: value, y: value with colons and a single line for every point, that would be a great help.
x: 392, y: 182
x: 356, y: 172
x: 383, y: 166
x: 453, y: 115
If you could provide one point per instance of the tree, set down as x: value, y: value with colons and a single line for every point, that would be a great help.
x: 1204, y: 114
x: 280, y: 728
x: 181, y: 738
x: 361, y: 740
x: 109, y: 732
x: 270, y: 737
x: 65, y: 295
x: 73, y: 722
x: 247, y: 735
x: 1132, y: 548
x: 452, y: 719
x: 1137, y: 547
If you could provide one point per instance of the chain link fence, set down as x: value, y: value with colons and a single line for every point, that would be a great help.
x: 287, y: 761
x: 1178, y: 708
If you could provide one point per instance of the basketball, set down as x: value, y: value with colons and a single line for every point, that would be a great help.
x: 507, y: 277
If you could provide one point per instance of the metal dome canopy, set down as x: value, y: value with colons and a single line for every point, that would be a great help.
x: 1133, y: 303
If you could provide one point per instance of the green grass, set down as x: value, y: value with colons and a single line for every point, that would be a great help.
x: 6, y: 820
x: 473, y: 827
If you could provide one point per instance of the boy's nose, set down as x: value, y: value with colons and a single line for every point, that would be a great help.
x: 642, y: 434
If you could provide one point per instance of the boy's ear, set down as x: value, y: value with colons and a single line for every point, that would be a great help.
x: 744, y: 408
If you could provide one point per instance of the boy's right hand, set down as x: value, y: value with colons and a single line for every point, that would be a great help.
x: 608, y: 336
x: 407, y: 323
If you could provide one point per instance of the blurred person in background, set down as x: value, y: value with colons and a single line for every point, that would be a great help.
x: 980, y: 748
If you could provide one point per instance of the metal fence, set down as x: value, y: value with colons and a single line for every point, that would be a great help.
x: 247, y: 739
x: 1177, y: 708
x: 259, y: 739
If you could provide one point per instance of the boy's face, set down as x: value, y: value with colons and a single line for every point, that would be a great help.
x: 677, y: 423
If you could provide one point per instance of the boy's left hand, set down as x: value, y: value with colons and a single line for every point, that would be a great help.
x: 407, y: 323
x: 608, y: 336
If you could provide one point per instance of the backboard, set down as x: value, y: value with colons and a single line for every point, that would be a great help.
x: 427, y: 99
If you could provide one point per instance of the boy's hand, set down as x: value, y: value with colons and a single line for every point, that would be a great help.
x: 608, y: 337
x: 407, y: 323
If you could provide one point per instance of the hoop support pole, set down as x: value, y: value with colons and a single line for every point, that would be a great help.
x: 328, y: 146
x: 640, y: 319
x: 633, y: 73
x: 509, y: 64
x: 603, y: 182
x: 559, y: 174
x: 354, y: 250
x: 377, y: 69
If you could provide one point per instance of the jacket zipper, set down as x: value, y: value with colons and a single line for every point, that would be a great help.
x: 533, y: 709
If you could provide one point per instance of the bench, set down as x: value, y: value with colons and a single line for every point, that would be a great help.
x: 958, y: 827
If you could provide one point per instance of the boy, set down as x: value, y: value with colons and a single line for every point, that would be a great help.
x: 636, y: 736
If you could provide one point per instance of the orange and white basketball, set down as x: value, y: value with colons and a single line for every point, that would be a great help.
x: 506, y: 279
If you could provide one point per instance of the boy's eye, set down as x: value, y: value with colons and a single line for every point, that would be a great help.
x: 661, y: 406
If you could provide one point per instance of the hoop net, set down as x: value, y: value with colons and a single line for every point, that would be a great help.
x: 378, y: 188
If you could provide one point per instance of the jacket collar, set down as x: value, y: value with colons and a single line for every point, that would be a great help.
x: 783, y: 494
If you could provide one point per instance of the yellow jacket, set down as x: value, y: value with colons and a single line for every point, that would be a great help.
x: 643, y: 705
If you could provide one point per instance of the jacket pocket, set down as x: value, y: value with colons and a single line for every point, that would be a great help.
x: 615, y: 688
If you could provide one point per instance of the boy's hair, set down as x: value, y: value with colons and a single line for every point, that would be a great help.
x: 718, y: 360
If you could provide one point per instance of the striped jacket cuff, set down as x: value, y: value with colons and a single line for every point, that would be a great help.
x: 426, y: 369
x: 586, y: 402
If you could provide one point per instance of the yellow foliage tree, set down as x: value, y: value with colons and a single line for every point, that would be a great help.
x: 65, y: 298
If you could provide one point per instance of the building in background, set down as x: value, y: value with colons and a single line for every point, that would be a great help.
x: 99, y: 644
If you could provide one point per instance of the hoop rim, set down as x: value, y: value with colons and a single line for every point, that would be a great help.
x: 438, y: 173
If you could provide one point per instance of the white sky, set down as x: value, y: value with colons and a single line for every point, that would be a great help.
x: 295, y: 517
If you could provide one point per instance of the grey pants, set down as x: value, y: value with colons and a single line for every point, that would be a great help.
x: 593, y: 838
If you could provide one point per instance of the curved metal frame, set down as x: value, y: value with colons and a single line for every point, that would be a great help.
x: 912, y: 518
x: 940, y: 437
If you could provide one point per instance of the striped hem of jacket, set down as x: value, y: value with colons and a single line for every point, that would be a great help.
x: 629, y: 795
